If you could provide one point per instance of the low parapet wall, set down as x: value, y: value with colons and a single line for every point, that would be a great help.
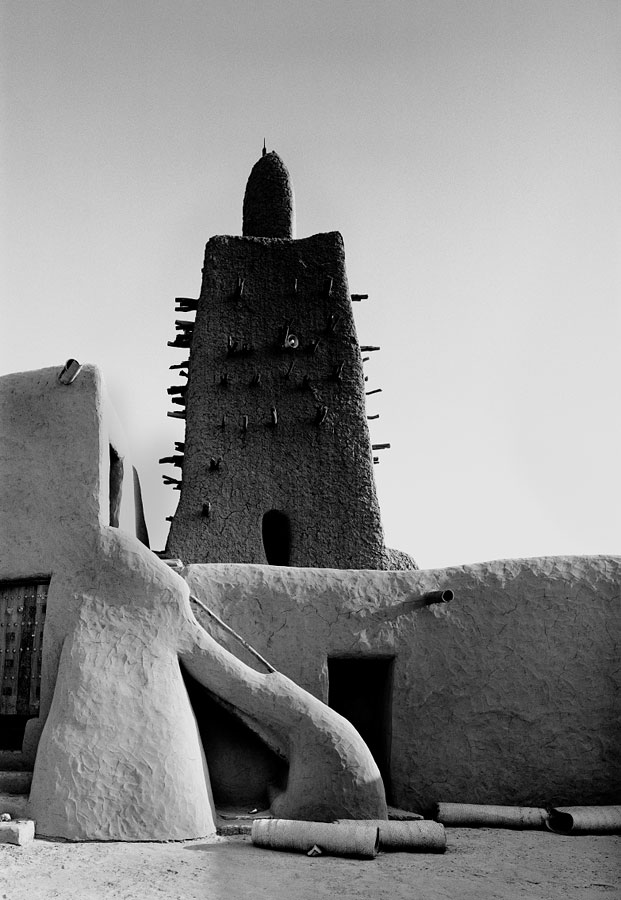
x: 507, y: 694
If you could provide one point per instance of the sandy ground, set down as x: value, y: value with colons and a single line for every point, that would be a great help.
x: 480, y: 864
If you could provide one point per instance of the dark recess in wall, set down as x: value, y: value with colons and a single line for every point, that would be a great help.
x: 242, y: 768
x: 12, y: 730
x: 276, y: 531
x: 116, y: 486
x: 360, y: 689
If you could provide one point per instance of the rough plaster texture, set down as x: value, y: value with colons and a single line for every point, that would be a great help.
x: 321, y: 476
x: 51, y: 472
x: 269, y: 204
x: 399, y: 559
x: 54, y: 488
x: 54, y: 466
x: 244, y: 771
x: 120, y: 756
x: 509, y: 694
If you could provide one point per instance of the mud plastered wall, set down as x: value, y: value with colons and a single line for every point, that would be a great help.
x: 508, y: 694
x: 55, y: 465
x: 55, y: 481
x: 269, y: 204
x: 51, y: 466
x: 319, y: 473
x: 120, y: 756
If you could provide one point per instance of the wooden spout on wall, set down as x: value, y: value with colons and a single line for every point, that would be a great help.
x: 443, y: 596
x: 69, y: 372
x: 419, y: 601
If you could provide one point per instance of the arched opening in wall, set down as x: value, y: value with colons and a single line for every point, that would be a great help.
x: 360, y: 689
x: 243, y: 770
x: 276, y: 532
x: 115, y: 486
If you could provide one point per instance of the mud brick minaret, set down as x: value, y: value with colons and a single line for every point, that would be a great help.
x: 277, y: 464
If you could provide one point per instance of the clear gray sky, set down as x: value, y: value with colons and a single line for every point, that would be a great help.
x: 468, y: 151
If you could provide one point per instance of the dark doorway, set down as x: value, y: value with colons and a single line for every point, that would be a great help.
x: 242, y: 768
x: 360, y: 689
x: 116, y: 486
x: 23, y: 606
x: 276, y: 531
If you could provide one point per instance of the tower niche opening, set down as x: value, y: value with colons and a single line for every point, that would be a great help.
x: 276, y: 533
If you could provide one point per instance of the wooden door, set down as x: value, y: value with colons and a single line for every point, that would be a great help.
x: 22, y: 617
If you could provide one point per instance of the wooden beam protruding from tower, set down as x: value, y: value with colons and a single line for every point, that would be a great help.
x: 172, y: 460
x: 185, y: 304
x: 184, y: 325
x: 238, y: 293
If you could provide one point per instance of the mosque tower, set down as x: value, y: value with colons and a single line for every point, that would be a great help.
x: 277, y: 463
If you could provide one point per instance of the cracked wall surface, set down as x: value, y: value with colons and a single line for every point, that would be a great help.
x: 254, y: 405
x: 508, y: 694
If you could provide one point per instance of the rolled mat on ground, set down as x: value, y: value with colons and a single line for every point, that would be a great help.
x: 334, y: 840
x: 413, y: 837
x: 584, y: 819
x: 471, y: 815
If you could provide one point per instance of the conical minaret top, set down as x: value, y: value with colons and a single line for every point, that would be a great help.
x: 269, y: 206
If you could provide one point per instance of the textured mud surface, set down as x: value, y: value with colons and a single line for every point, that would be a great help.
x: 240, y: 370
x: 480, y: 864
x: 506, y: 695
